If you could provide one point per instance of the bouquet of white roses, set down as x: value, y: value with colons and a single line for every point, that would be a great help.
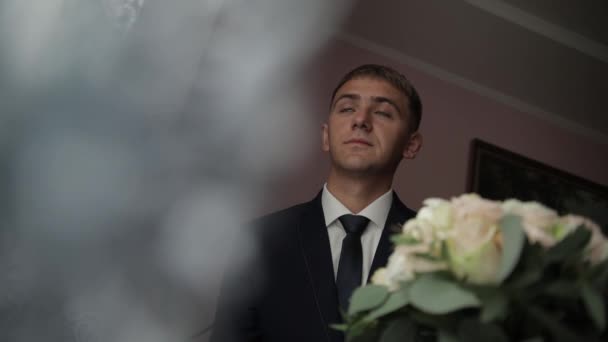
x: 472, y: 269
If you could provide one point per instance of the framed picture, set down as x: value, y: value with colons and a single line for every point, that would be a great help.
x: 499, y: 174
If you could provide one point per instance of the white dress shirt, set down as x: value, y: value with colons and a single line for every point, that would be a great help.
x: 376, y: 212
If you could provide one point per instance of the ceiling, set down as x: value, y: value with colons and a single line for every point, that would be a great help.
x: 548, y: 58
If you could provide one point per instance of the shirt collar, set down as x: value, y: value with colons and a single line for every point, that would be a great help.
x: 377, y: 211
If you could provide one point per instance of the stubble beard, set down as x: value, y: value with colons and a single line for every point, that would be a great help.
x: 361, y: 167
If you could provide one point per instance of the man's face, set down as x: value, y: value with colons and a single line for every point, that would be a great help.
x: 367, y: 129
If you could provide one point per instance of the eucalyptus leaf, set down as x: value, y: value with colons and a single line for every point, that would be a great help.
x: 339, y: 327
x: 437, y: 295
x: 367, y: 298
x: 514, y: 240
x: 362, y: 332
x: 599, y: 274
x: 396, y: 300
x: 438, y: 322
x: 526, y: 278
x: 404, y: 240
x: 445, y: 336
x: 559, y: 332
x: 427, y: 256
x: 474, y: 330
x: 530, y: 267
x: 563, y: 288
x: 573, y: 243
x: 399, y: 330
x: 494, y: 307
x: 594, y: 303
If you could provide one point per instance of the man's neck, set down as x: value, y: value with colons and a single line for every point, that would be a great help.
x: 356, y: 193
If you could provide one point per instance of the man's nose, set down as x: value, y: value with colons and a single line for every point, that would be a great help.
x: 362, y: 119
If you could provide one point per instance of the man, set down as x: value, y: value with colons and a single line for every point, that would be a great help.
x: 313, y: 255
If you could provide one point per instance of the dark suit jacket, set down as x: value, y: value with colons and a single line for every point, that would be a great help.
x: 289, y: 292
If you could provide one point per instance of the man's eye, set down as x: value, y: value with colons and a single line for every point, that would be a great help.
x: 347, y: 109
x: 386, y: 114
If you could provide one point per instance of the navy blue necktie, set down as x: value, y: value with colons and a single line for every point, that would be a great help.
x: 350, y: 267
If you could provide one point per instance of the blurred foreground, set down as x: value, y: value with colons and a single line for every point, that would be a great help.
x: 134, y: 136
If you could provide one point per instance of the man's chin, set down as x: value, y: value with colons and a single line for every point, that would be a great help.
x: 358, y: 167
x: 362, y: 167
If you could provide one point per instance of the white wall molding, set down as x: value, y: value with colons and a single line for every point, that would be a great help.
x: 540, y: 26
x: 475, y: 87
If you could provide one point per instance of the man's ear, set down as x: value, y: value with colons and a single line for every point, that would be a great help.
x: 324, y: 138
x: 413, y: 146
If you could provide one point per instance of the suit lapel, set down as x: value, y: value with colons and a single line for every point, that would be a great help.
x: 397, y: 216
x: 317, y: 253
x: 314, y: 242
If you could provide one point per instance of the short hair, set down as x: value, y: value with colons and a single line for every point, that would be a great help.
x: 393, y: 77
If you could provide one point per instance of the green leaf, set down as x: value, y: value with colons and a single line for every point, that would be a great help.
x: 560, y: 333
x: 395, y: 301
x: 530, y: 267
x: 514, y: 240
x: 527, y: 278
x: 445, y: 254
x: 474, y: 330
x: 367, y: 298
x: 445, y: 336
x: 563, y: 288
x: 599, y: 274
x: 404, y: 240
x: 494, y: 307
x: 362, y: 332
x: 436, y: 295
x: 428, y: 257
x: 399, y: 330
x: 339, y: 327
x: 571, y: 244
x: 438, y: 322
x: 594, y: 303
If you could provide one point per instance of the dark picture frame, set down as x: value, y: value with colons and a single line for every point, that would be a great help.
x: 499, y: 174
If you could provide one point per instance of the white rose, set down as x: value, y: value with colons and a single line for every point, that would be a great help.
x: 538, y: 221
x: 397, y: 270
x: 437, y: 212
x: 426, y: 240
x: 597, y: 249
x: 379, y: 277
x: 430, y: 225
x: 404, y: 264
x: 474, y: 242
x: 418, y: 230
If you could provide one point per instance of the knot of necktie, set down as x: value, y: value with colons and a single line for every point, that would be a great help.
x: 354, y: 224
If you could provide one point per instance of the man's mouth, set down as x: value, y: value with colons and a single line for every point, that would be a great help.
x: 358, y: 141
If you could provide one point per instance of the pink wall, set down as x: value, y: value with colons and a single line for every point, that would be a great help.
x: 452, y: 117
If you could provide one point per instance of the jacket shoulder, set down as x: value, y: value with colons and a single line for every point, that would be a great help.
x: 287, y: 214
x: 279, y: 222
